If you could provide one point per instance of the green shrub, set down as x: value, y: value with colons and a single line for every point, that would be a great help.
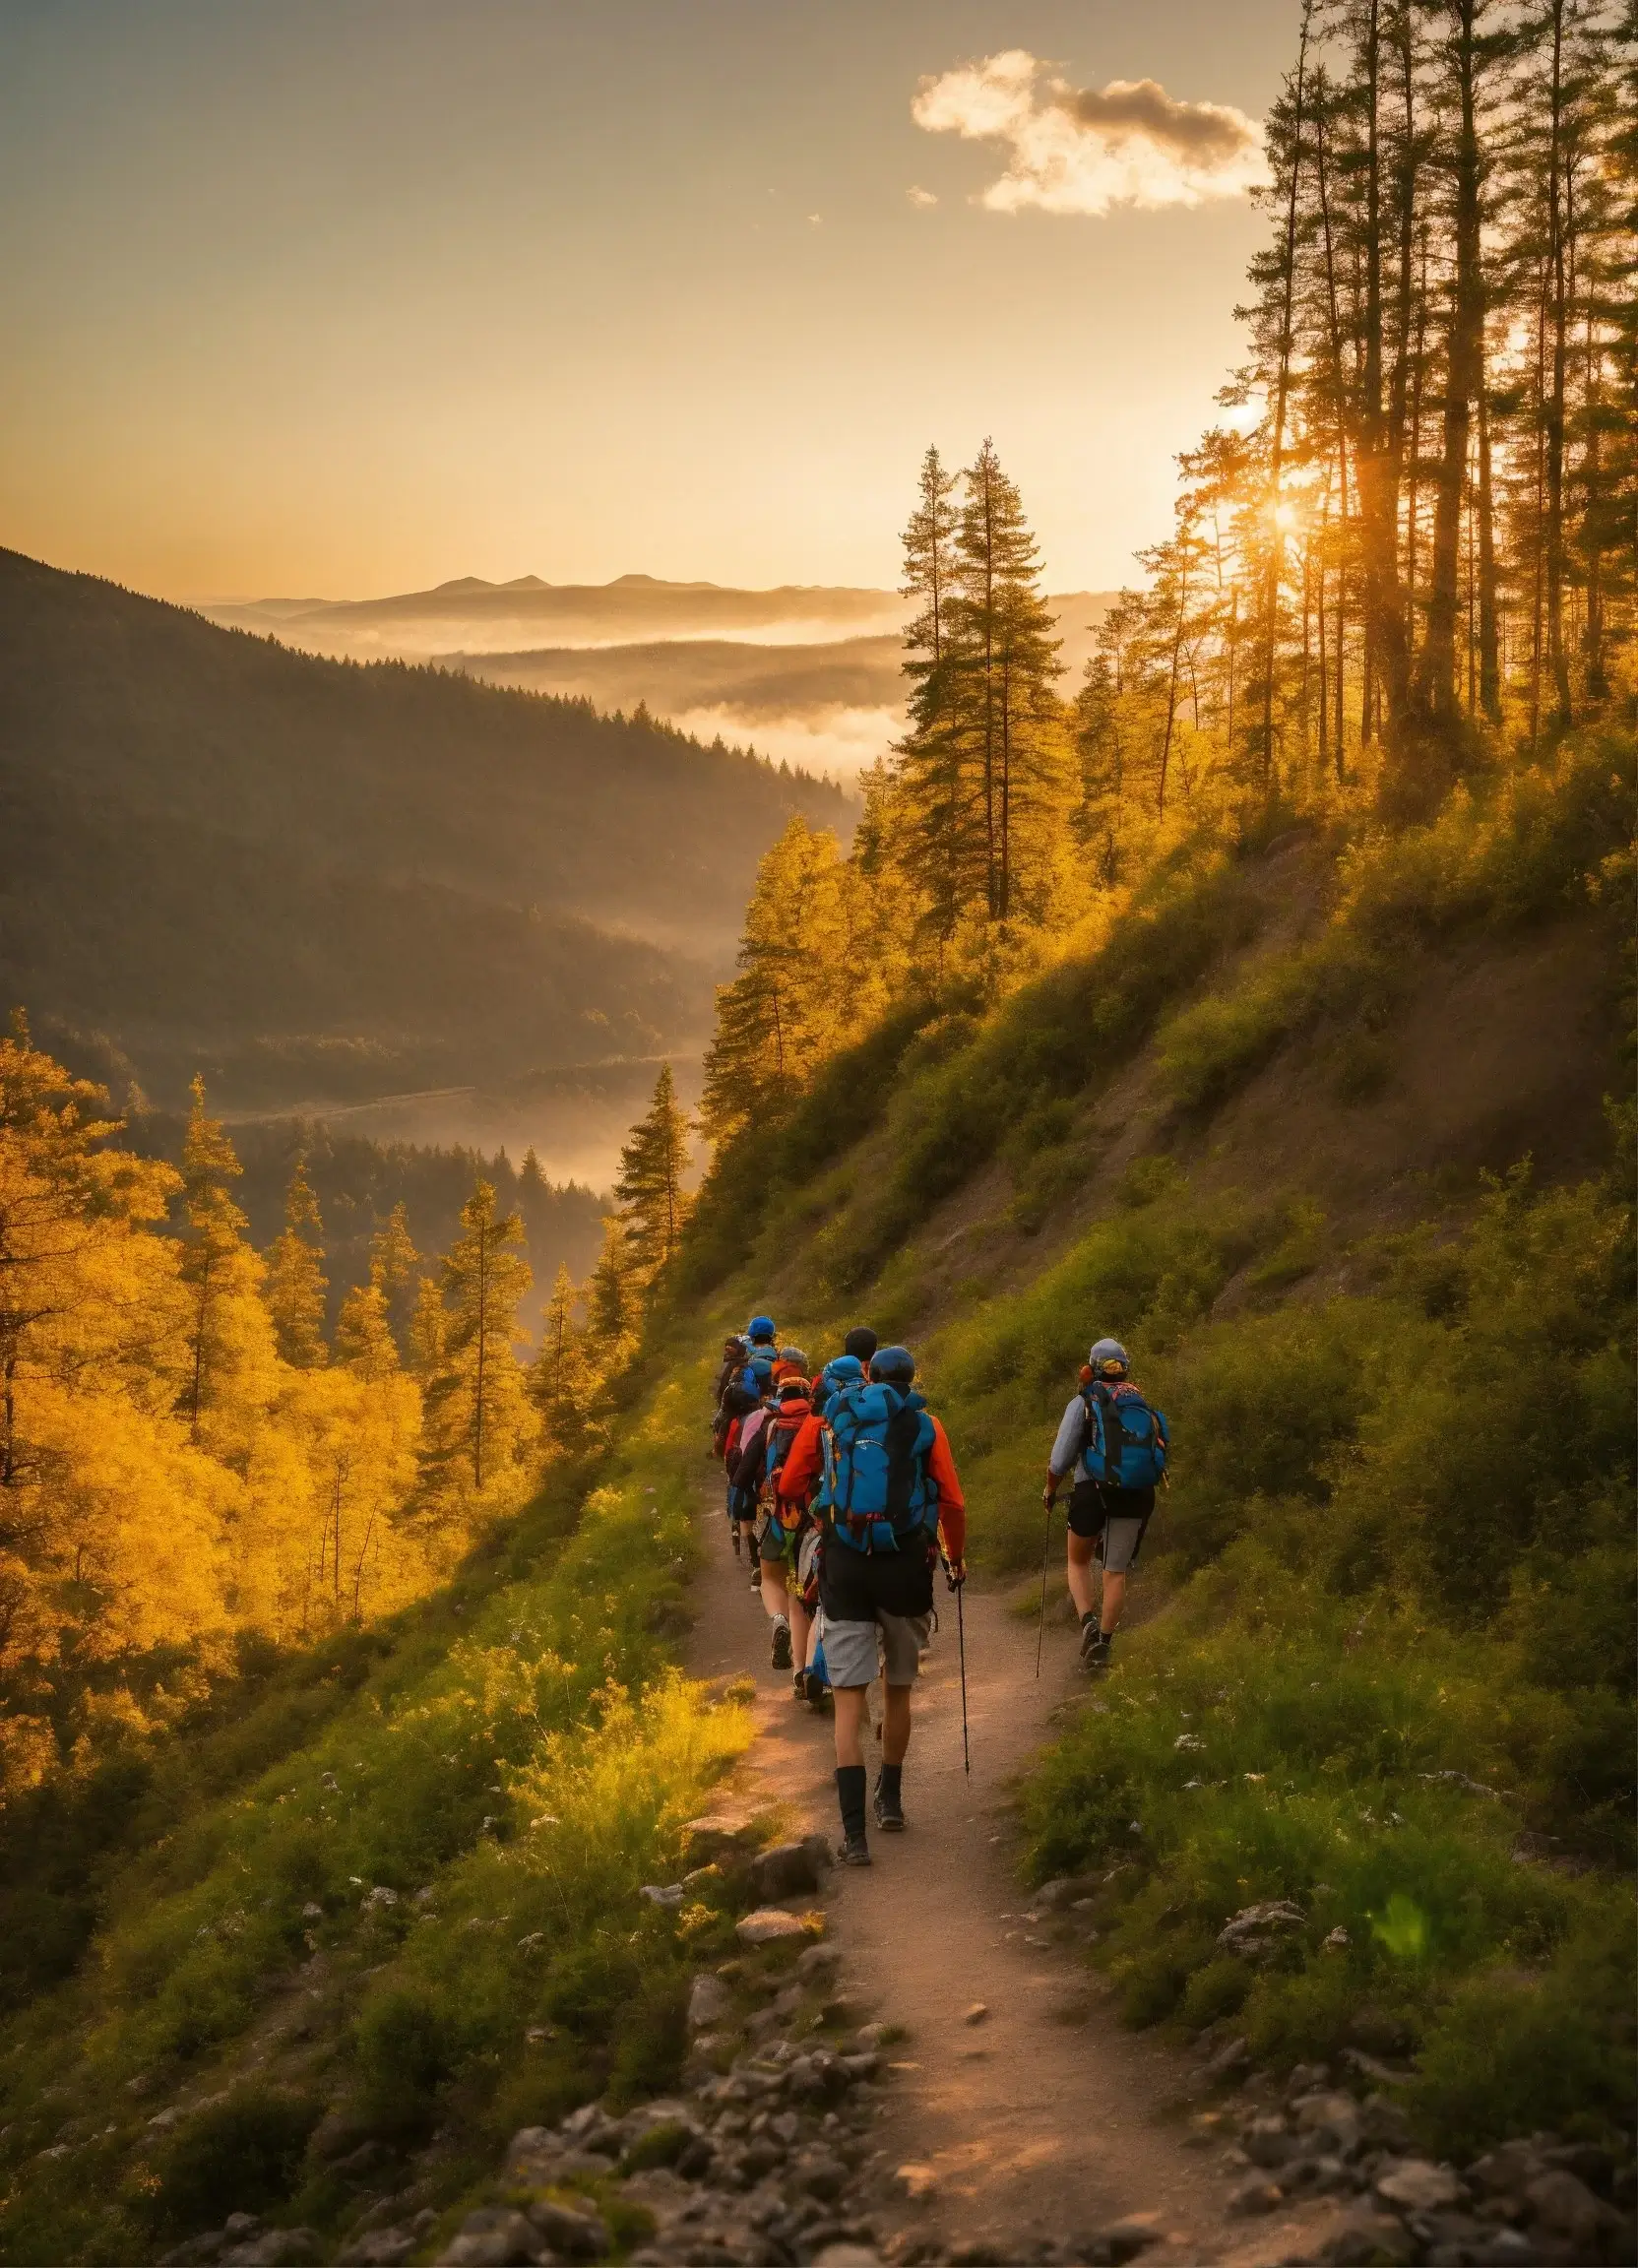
x: 243, y: 2155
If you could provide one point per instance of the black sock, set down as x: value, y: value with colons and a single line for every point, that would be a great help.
x: 892, y: 1773
x: 1105, y: 1635
x: 850, y: 1794
x: 1091, y: 1615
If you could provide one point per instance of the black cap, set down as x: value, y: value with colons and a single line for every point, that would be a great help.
x: 861, y: 1341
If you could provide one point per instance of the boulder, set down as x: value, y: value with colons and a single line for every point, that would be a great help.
x: 916, y: 2183
x: 786, y: 1870
x: 381, y: 2248
x: 1234, y: 2056
x: 1254, y: 1931
x: 1369, y: 2238
x: 1418, y: 2186
x: 1566, y: 2207
x: 495, y: 2237
x: 1063, y: 1891
x: 819, y: 2171
x: 715, y: 1837
x: 1383, y: 2125
x: 1257, y: 2194
x: 1329, y: 2114
x: 1507, y: 2172
x: 818, y: 1961
x: 276, y: 2248
x: 709, y: 2002
x: 1268, y: 2142
x: 572, y: 2236
x: 769, y: 1926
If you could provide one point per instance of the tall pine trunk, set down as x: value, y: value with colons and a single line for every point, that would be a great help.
x: 1463, y: 366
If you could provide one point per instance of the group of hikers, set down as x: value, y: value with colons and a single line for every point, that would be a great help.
x: 843, y: 1496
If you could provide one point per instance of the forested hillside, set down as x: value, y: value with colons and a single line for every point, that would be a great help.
x: 323, y: 882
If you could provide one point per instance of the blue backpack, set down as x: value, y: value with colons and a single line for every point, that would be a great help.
x: 1126, y: 1441
x: 843, y: 1371
x: 876, y: 1490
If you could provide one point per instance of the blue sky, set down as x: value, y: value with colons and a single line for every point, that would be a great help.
x: 355, y: 296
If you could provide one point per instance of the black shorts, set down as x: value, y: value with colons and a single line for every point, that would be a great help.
x: 1090, y: 1506
x: 855, y: 1586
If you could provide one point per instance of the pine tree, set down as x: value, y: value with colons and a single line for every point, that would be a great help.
x: 1004, y: 660
x: 653, y: 1164
x: 392, y: 1263
x: 564, y: 1380
x: 230, y: 1338
x: 297, y: 1287
x: 429, y: 1331
x: 784, y: 1011
x: 364, y: 1340
x: 613, y: 1299
x: 485, y: 1280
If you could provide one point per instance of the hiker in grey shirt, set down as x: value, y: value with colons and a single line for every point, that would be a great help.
x: 1106, y: 1427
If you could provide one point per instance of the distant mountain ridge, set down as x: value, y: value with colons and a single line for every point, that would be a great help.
x: 470, y: 612
x: 325, y: 881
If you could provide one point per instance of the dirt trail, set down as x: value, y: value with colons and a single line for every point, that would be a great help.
x: 1047, y: 2118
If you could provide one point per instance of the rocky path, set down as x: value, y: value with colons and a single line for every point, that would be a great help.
x: 1041, y: 2117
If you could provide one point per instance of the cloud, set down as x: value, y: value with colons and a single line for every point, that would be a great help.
x: 1082, y: 149
x: 919, y: 197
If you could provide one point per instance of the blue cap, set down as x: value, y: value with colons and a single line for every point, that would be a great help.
x: 760, y: 1327
x: 894, y: 1364
x: 1108, y: 1356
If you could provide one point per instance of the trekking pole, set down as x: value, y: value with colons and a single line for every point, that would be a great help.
x: 961, y: 1640
x: 1045, y: 1554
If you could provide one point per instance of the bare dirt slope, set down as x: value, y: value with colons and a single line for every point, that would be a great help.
x: 1044, y: 2119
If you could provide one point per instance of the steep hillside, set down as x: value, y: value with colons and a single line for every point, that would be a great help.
x: 1327, y: 1141
x: 329, y: 882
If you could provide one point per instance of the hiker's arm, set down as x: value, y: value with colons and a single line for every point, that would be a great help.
x: 1067, y: 1447
x: 952, y: 1505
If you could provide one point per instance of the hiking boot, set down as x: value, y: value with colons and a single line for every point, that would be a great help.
x: 1097, y: 1655
x: 1090, y: 1635
x: 854, y: 1852
x: 782, y: 1644
x: 799, y: 1690
x: 817, y: 1691
x: 734, y: 1536
x: 890, y: 1811
x: 756, y: 1572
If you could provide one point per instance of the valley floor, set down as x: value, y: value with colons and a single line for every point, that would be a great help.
x: 1044, y: 2119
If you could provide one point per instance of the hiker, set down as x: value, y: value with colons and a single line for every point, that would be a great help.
x: 858, y: 1347
x: 890, y: 1503
x: 735, y: 1352
x: 1116, y: 1446
x: 764, y: 1338
x: 745, y: 1401
x: 779, y: 1527
x: 790, y: 1362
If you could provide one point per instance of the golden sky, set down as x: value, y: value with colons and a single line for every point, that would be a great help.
x: 343, y: 297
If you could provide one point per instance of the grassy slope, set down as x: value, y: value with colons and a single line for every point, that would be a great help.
x: 511, y: 1762
x: 1273, y: 1136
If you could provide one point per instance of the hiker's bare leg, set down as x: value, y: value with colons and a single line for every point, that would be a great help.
x: 895, y: 1723
x: 1114, y: 1597
x: 1081, y: 1586
x: 800, y: 1625
x: 775, y: 1597
x: 849, y: 1723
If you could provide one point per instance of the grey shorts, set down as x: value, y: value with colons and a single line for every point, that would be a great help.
x: 891, y: 1645
x: 1120, y: 1545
